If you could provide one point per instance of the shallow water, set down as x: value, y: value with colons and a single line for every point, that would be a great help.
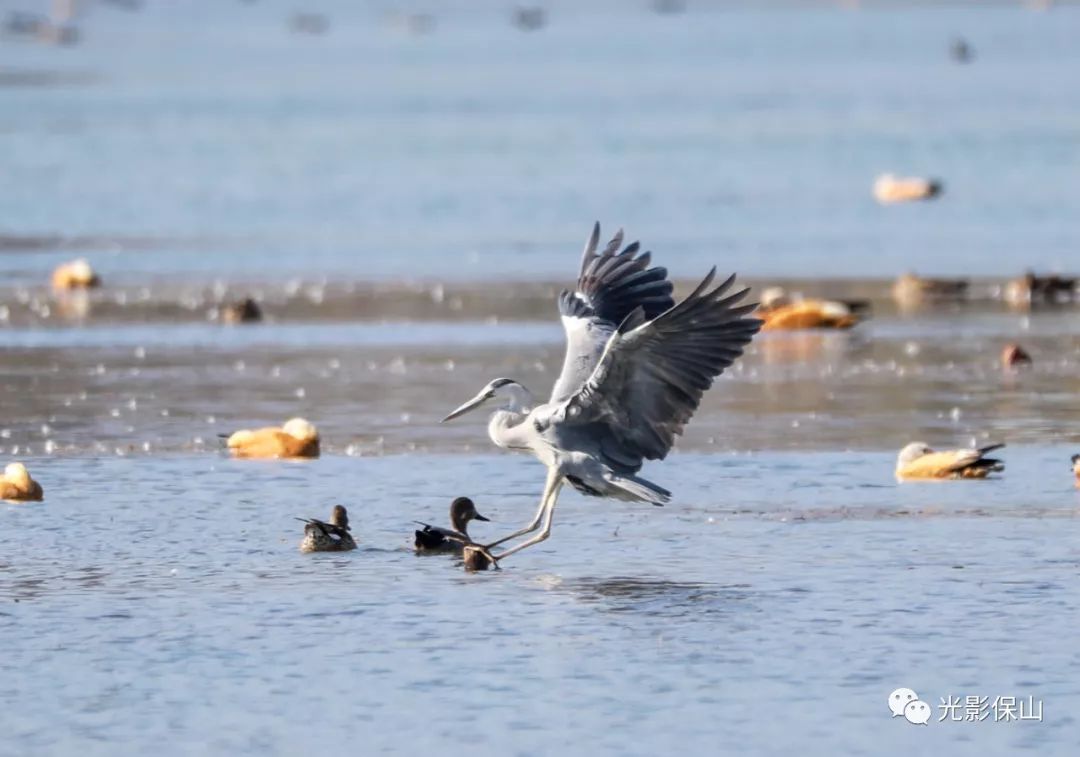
x: 377, y: 380
x: 405, y: 209
x: 168, y: 597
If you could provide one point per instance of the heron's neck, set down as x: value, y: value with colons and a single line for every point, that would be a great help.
x: 504, y: 428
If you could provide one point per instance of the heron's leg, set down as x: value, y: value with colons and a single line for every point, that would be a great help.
x: 550, y: 499
x: 535, y: 524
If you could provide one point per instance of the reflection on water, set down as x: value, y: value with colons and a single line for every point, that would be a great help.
x: 814, y: 347
x: 650, y: 596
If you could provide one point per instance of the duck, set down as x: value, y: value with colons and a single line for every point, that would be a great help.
x: 782, y: 312
x: 476, y: 558
x: 17, y: 486
x: 75, y: 274
x: 1031, y: 289
x: 244, y: 311
x: 297, y: 438
x: 433, y: 539
x: 1015, y: 356
x: 334, y: 536
x: 890, y: 189
x: 918, y: 461
x: 911, y: 289
x: 1076, y: 469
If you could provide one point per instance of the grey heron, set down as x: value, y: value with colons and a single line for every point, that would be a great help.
x: 636, y: 367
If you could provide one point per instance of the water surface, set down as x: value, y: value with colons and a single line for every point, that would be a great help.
x: 209, y: 141
x: 406, y: 208
x: 168, y: 596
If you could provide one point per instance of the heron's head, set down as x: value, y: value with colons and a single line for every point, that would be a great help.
x: 463, y: 510
x: 339, y: 517
x: 913, y: 452
x: 508, y: 394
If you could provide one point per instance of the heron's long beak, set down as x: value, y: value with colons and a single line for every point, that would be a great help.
x: 475, y: 402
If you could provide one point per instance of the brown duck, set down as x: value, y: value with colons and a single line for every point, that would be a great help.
x: 17, y: 486
x: 433, y: 539
x: 918, y: 461
x: 297, y: 438
x: 334, y: 536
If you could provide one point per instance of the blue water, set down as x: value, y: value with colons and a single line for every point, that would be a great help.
x: 200, y: 152
x: 161, y: 605
x: 213, y: 142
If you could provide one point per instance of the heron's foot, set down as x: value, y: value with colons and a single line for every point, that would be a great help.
x: 478, y: 557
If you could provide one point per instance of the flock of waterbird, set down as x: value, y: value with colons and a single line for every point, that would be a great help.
x: 637, y: 364
x: 783, y: 311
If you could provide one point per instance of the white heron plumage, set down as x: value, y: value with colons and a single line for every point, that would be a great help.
x: 636, y: 367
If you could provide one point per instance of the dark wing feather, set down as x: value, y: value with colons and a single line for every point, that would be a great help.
x: 611, y: 285
x: 432, y: 537
x: 327, y: 529
x: 428, y: 538
x: 982, y: 461
x: 653, y: 373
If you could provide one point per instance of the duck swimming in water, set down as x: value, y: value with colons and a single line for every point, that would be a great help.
x: 297, y: 438
x: 433, y: 539
x: 17, y: 486
x: 476, y: 559
x: 912, y: 290
x: 76, y: 274
x: 1030, y: 290
x: 1076, y: 469
x: 918, y: 461
x: 783, y: 312
x: 889, y: 189
x: 244, y: 311
x: 1015, y: 356
x: 328, y: 537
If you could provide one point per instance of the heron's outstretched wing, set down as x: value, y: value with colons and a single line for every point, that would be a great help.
x: 611, y: 285
x: 652, y: 374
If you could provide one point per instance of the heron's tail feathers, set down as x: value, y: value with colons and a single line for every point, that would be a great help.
x: 638, y: 489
